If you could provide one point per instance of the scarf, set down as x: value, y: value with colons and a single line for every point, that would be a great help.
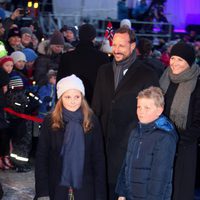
x: 187, y: 81
x: 73, y: 149
x: 120, y: 68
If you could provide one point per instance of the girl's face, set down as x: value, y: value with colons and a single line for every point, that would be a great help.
x: 8, y: 66
x: 178, y: 64
x: 20, y: 64
x: 72, y: 100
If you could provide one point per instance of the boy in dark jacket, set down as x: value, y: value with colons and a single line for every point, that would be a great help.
x: 147, y: 169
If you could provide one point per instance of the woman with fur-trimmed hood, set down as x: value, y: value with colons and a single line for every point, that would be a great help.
x: 49, y: 56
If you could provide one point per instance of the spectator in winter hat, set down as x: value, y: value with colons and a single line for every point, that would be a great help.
x: 125, y: 23
x: 50, y: 53
x: 47, y: 94
x: 6, y: 63
x: 57, y: 42
x: 70, y: 36
x: 31, y: 56
x: 26, y: 34
x: 13, y: 40
x: 19, y: 59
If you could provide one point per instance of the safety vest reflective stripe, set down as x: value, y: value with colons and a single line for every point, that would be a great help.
x: 18, y: 157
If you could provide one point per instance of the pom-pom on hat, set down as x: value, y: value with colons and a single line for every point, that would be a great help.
x: 18, y: 56
x: 69, y: 83
x: 57, y: 38
x: 5, y: 59
x: 185, y: 51
x: 30, y: 54
x: 87, y: 32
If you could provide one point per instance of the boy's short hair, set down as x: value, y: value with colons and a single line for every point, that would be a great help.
x: 154, y: 93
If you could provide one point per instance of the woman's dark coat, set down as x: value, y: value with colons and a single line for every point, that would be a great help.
x: 185, y: 163
x: 117, y: 108
x: 48, y: 165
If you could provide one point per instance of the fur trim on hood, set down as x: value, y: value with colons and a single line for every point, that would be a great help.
x: 44, y: 47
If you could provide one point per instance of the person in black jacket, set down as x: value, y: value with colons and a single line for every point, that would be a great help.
x: 114, y: 101
x: 148, y: 165
x: 70, y: 162
x: 84, y: 61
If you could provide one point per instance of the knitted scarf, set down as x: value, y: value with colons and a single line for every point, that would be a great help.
x: 187, y: 81
x: 120, y: 67
x: 73, y: 149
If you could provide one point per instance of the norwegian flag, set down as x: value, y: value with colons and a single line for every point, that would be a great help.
x: 109, y: 33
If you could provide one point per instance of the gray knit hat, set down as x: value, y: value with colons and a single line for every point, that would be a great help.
x: 27, y: 30
x: 57, y: 38
x: 18, y: 56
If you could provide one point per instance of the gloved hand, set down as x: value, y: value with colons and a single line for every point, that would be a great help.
x: 44, y: 198
x: 47, y: 99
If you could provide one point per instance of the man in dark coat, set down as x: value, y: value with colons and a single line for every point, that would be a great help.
x: 84, y: 61
x: 114, y: 99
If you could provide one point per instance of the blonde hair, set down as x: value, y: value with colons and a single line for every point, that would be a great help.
x: 154, y: 93
x: 57, y: 118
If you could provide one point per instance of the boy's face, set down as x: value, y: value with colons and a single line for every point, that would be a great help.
x: 147, y: 111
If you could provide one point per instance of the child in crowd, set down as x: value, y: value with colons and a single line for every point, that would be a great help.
x: 31, y: 56
x: 19, y: 71
x: 47, y: 94
x: 148, y: 166
x: 19, y: 128
x: 70, y: 161
x: 6, y: 66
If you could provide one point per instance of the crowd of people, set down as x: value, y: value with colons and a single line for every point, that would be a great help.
x: 121, y: 125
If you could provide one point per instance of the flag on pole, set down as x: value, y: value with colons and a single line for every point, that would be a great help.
x: 109, y: 33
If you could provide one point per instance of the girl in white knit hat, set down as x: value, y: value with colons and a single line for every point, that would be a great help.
x: 70, y: 161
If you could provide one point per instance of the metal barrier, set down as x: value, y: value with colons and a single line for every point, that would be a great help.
x: 49, y: 22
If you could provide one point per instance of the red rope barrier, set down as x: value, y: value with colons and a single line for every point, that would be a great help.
x: 23, y: 116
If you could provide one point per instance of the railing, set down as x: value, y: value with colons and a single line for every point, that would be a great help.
x: 50, y: 22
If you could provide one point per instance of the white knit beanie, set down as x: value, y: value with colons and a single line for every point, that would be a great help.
x: 125, y: 23
x: 18, y: 56
x: 68, y: 83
